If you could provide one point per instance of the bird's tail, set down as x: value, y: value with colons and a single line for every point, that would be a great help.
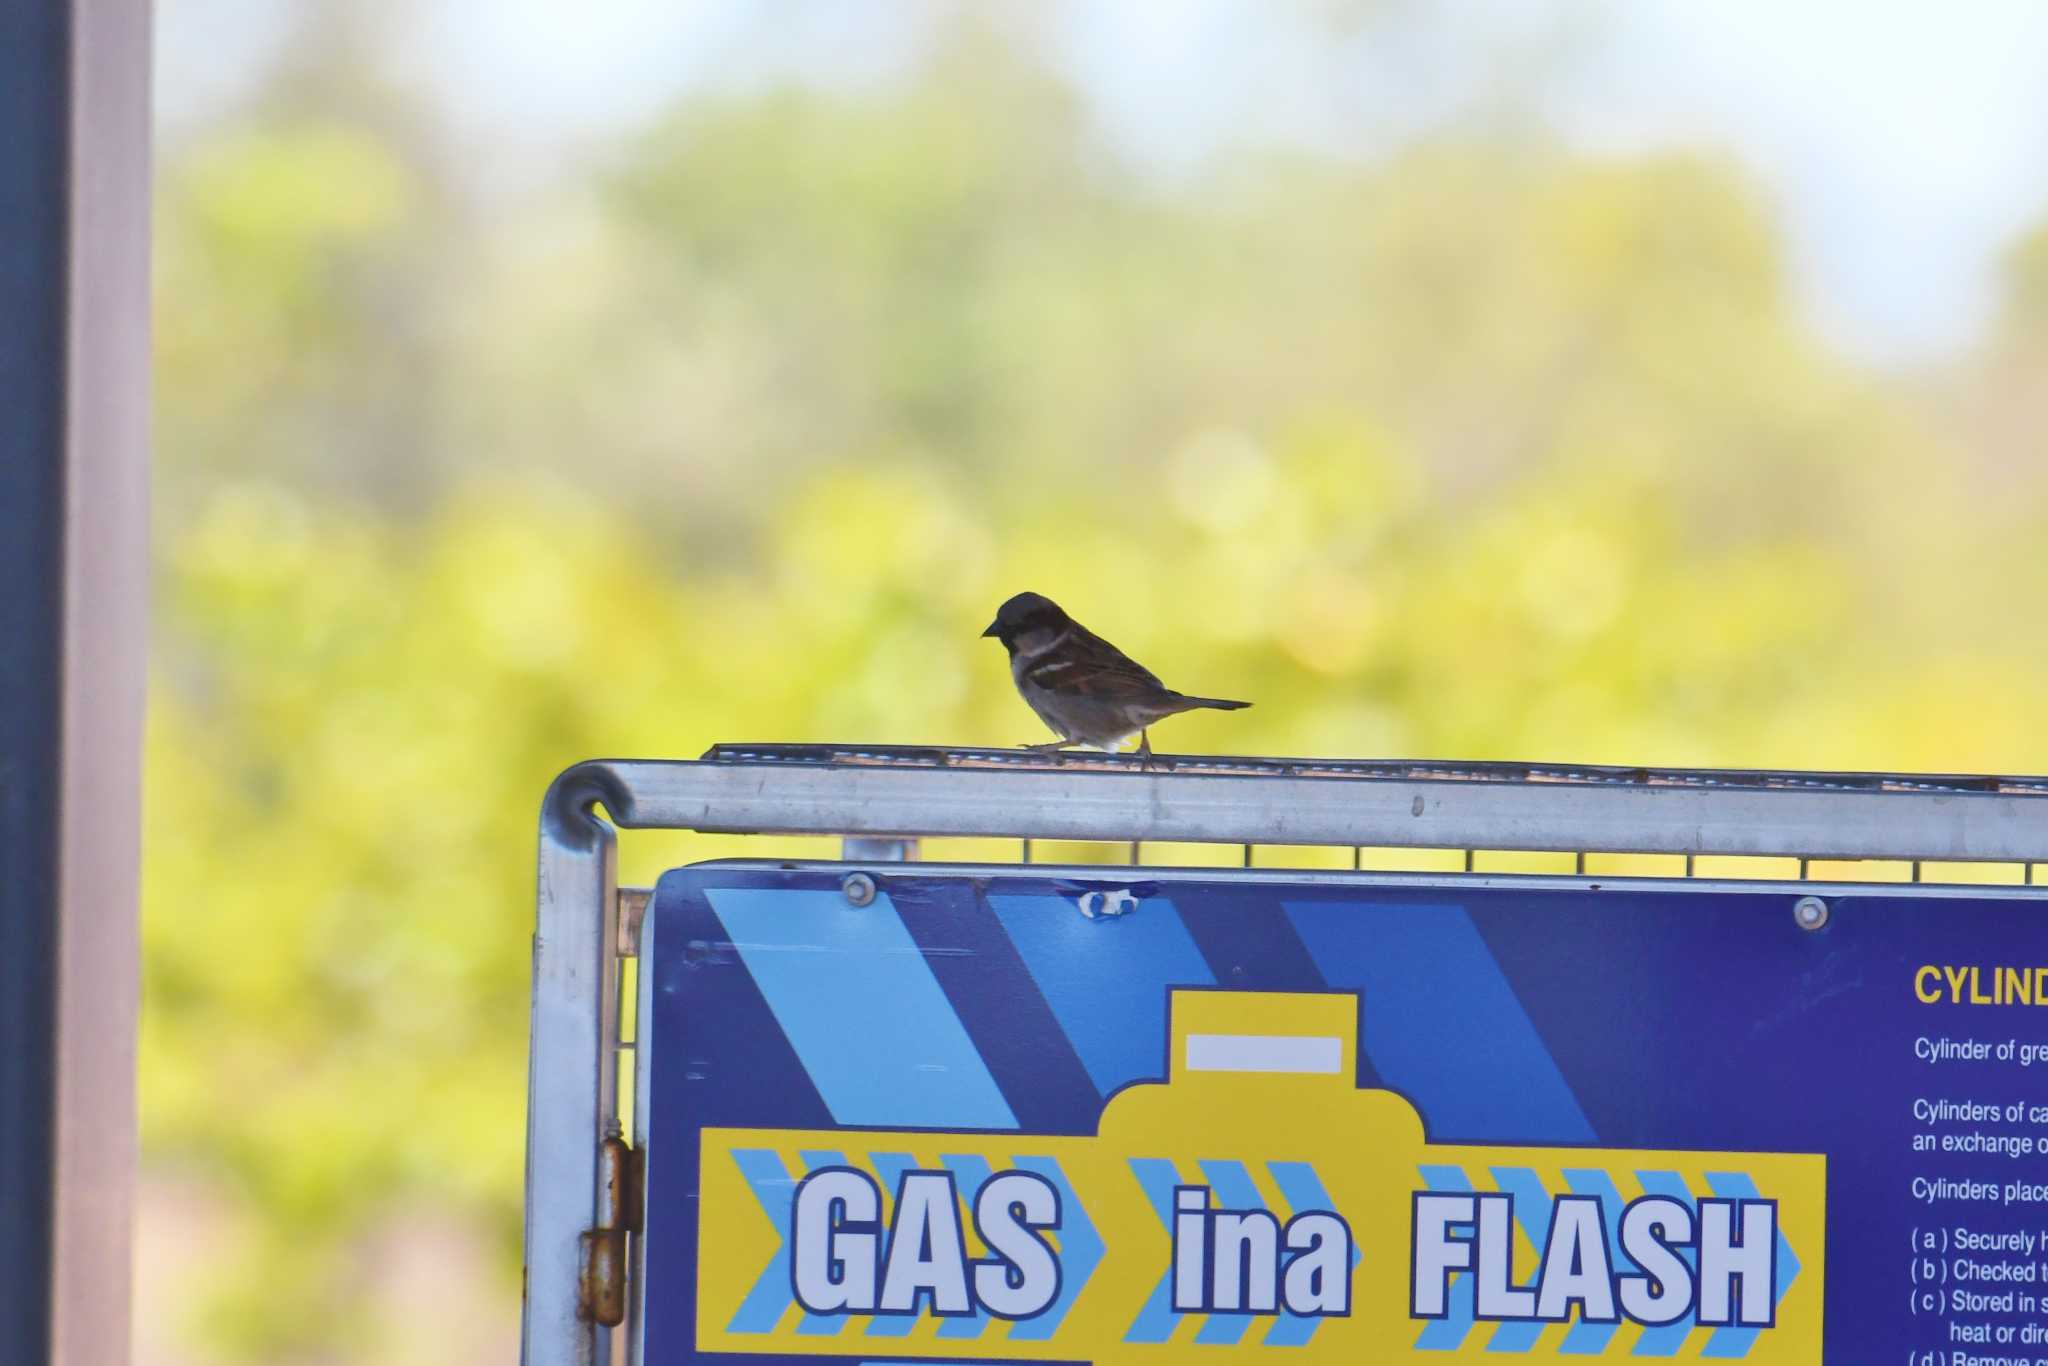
x: 1219, y: 703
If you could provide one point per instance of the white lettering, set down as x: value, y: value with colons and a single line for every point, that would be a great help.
x: 926, y: 1250
x: 1318, y: 1280
x: 1437, y: 1253
x: 1247, y: 1262
x: 1725, y: 1260
x: 1650, y: 1228
x: 1190, y: 1248
x: 1575, y: 1266
x: 1497, y: 1296
x: 833, y: 1238
x: 1023, y: 1277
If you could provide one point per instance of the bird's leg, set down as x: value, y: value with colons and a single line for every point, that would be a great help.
x: 1144, y: 749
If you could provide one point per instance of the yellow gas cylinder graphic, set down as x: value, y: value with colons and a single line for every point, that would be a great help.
x: 1257, y: 1201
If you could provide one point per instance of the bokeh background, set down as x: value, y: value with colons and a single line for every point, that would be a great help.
x: 1656, y: 383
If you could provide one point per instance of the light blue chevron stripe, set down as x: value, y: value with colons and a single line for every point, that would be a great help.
x: 775, y: 1189
x: 1666, y: 1340
x: 1734, y: 1341
x: 1156, y: 1321
x: 1234, y: 1190
x: 1302, y: 1189
x: 1106, y: 980
x: 1081, y: 1251
x: 1584, y: 1337
x: 1447, y: 1334
x: 890, y: 1167
x: 1532, y: 1212
x: 970, y: 1172
x: 1442, y: 1024
x: 859, y: 1004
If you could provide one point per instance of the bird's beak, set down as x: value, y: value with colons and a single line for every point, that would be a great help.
x: 991, y: 629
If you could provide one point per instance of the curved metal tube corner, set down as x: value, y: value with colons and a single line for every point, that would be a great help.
x: 569, y: 1089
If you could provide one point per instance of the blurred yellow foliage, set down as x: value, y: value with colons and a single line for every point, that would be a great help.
x: 1485, y: 451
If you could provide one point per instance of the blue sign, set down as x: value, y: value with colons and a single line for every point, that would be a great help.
x: 998, y: 1116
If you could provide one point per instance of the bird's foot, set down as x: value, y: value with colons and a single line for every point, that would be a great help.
x: 1049, y: 747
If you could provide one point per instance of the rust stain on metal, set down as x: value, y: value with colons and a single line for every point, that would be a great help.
x: 601, y: 1298
x: 601, y: 1291
x: 633, y: 903
x: 633, y: 1192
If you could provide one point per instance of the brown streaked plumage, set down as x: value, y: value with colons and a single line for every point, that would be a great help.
x: 1086, y: 690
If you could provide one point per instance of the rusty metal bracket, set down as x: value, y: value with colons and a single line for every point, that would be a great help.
x: 601, y: 1285
x: 633, y: 903
x: 633, y: 1191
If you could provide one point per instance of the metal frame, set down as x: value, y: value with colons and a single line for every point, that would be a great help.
x: 887, y: 797
x: 74, y: 385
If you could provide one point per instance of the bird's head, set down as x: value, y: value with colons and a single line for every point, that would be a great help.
x: 1027, y: 614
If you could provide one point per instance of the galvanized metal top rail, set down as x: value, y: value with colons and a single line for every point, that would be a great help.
x: 1476, y: 771
x: 912, y: 791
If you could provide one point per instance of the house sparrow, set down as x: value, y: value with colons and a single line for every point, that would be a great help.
x: 1084, y: 688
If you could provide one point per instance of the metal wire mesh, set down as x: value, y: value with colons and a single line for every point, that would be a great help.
x: 1484, y: 771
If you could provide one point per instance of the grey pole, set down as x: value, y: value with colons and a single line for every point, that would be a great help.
x: 74, y: 395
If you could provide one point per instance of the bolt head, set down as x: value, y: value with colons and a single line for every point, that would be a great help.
x: 1811, y: 912
x: 858, y: 887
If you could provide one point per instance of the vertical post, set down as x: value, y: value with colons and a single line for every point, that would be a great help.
x: 74, y: 388
x: 572, y: 1073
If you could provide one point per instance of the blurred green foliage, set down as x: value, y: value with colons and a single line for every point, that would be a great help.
x: 1483, y: 450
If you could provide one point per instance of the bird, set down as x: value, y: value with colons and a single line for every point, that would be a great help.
x: 1086, y: 690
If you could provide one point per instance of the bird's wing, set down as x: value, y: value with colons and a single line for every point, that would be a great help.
x: 1089, y: 666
